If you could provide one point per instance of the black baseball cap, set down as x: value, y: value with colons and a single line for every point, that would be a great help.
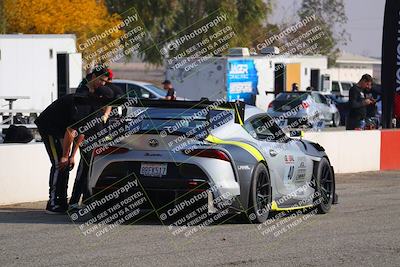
x: 100, y: 70
x: 166, y: 82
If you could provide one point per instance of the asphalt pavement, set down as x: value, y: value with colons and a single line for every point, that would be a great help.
x: 362, y: 230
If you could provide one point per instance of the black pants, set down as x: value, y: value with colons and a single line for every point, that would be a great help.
x: 58, y: 181
x: 81, y: 180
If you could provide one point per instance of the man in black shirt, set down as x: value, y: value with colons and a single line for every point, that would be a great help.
x: 170, y: 90
x: 58, y: 126
x: 90, y: 134
x: 358, y: 103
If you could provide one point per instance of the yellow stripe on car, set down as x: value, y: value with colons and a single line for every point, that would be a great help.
x: 275, y: 207
x: 249, y: 148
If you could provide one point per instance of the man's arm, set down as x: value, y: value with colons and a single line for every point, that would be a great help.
x: 354, y: 103
x: 69, y: 137
x: 170, y: 94
x: 75, y: 147
x: 106, y: 115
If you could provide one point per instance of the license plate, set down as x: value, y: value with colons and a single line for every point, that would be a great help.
x: 286, y: 108
x: 153, y: 169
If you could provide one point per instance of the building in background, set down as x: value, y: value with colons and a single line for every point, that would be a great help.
x: 350, y: 68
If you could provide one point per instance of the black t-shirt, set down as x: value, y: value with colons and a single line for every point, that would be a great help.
x: 73, y: 111
x: 82, y: 88
x: 61, y: 114
x: 171, y: 93
x: 358, y: 109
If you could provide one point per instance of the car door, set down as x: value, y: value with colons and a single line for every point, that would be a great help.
x: 135, y: 90
x: 326, y: 107
x: 289, y: 167
x: 320, y: 106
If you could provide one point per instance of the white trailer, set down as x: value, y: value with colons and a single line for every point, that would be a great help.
x: 36, y: 69
x: 250, y: 78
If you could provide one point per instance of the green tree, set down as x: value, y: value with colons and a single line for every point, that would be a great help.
x: 332, y: 18
x: 166, y: 20
x: 2, y: 18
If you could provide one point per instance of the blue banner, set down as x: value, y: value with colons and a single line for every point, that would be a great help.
x: 241, y: 81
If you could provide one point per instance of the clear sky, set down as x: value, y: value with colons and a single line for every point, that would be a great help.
x: 365, y: 23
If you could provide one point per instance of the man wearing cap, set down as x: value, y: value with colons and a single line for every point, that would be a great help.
x: 96, y: 78
x: 94, y: 132
x: 170, y: 90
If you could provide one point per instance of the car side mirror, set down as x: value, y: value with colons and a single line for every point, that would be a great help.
x: 146, y: 95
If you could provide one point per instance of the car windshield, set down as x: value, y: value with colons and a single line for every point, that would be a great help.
x: 346, y: 86
x: 191, y: 122
x: 292, y: 96
x: 156, y: 89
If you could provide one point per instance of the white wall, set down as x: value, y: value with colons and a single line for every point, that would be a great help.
x: 24, y: 173
x: 349, y: 74
x: 350, y: 151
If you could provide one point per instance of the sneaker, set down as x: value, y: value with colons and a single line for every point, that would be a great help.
x: 55, y: 210
x: 73, y: 207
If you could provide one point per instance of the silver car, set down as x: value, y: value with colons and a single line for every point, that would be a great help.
x: 304, y: 109
x: 230, y: 152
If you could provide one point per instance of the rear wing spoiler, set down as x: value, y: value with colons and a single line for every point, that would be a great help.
x: 237, y: 106
x: 204, y: 103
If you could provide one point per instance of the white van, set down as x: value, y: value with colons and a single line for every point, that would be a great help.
x: 341, y: 88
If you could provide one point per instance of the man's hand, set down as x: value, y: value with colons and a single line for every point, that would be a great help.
x: 368, y: 101
x: 63, y: 163
x: 71, y: 163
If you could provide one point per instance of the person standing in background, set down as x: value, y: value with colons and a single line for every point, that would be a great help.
x: 170, y: 90
x: 358, y: 103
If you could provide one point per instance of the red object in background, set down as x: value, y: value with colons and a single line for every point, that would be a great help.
x: 305, y: 105
x: 397, y: 105
x: 110, y: 74
x: 390, y: 150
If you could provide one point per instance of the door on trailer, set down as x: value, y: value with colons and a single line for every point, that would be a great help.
x: 315, y: 81
x: 293, y: 73
x: 279, y: 73
x: 62, y: 74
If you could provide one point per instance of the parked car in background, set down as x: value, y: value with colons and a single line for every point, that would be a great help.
x: 140, y: 89
x: 304, y: 109
x: 342, y: 104
x: 341, y: 88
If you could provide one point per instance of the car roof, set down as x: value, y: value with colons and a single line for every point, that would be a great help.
x: 131, y: 82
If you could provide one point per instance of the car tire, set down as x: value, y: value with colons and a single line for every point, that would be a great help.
x: 324, y: 187
x: 336, y: 119
x: 260, y: 194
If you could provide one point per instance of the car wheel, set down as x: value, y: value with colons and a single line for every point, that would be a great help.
x: 324, y: 187
x: 260, y: 194
x: 336, y: 119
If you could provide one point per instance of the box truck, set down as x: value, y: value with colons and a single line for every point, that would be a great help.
x: 255, y: 79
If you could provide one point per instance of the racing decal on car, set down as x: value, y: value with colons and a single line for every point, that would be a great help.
x: 243, y: 167
x: 301, y: 170
x: 289, y: 171
x: 289, y: 159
